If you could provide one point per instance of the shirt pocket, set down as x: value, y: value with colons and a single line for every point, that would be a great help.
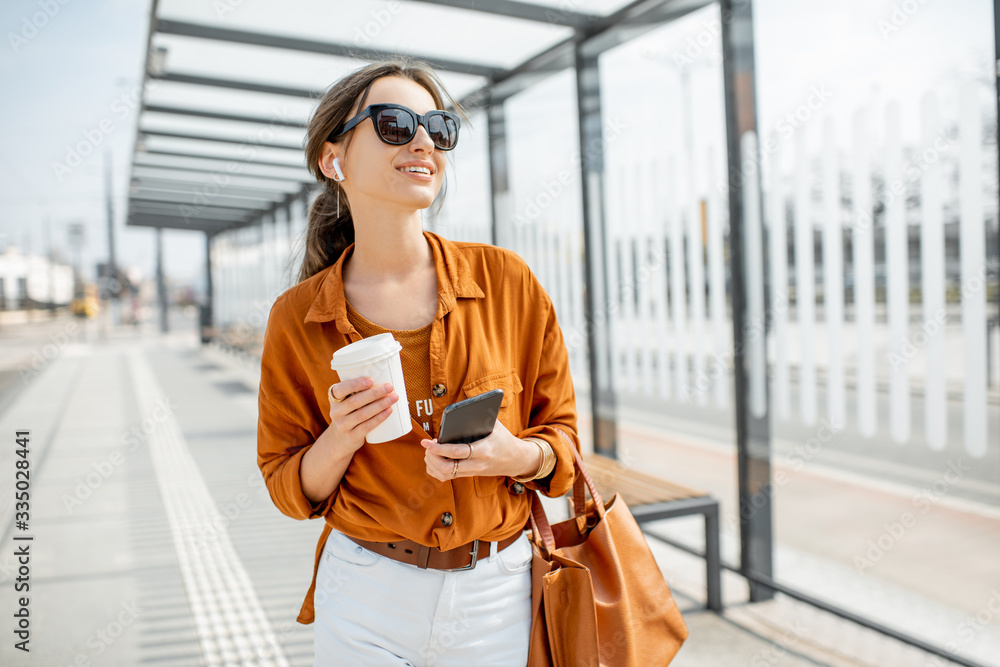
x: 510, y: 406
x: 510, y: 415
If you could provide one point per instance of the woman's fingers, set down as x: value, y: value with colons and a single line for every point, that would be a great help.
x: 341, y: 391
x: 438, y: 467
x: 440, y: 459
x: 373, y: 409
x: 447, y: 450
x: 362, y: 407
x: 497, y: 454
x: 359, y: 392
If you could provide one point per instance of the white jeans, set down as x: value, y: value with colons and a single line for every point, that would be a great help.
x: 372, y: 610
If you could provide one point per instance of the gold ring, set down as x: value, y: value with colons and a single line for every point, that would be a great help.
x: 333, y: 399
x: 470, y: 450
x: 454, y: 472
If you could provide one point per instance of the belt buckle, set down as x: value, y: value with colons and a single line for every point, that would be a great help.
x: 472, y: 564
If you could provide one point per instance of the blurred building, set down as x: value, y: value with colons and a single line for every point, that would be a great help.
x: 33, y: 281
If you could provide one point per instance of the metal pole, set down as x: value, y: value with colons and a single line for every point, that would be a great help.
x: 52, y: 268
x: 161, y: 285
x: 206, y: 318
x: 996, y: 91
x: 602, y: 390
x: 112, y: 263
x: 753, y: 428
x: 499, y: 188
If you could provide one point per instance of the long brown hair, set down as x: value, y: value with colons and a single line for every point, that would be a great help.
x: 327, y: 234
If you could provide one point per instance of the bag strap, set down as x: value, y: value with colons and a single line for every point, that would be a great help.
x: 540, y: 527
x: 581, y: 480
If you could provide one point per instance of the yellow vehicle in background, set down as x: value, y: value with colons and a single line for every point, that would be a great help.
x: 85, y: 300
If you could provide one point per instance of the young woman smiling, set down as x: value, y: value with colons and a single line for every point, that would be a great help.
x: 423, y: 559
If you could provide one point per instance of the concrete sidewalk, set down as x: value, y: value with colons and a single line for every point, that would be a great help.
x: 155, y: 541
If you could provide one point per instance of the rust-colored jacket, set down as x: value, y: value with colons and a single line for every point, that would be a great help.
x: 495, y: 327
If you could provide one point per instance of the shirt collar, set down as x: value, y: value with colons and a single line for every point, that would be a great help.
x: 454, y: 281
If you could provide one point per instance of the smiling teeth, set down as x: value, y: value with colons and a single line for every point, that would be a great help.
x: 419, y: 170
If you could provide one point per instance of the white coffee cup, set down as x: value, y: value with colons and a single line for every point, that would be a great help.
x: 377, y: 357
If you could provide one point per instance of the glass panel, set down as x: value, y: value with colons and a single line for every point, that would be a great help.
x: 880, y: 202
x: 546, y: 225
x: 667, y: 252
x: 466, y: 214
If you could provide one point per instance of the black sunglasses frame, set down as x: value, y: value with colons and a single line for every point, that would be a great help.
x: 372, y: 111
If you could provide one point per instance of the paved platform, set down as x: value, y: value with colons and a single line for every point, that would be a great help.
x: 155, y: 541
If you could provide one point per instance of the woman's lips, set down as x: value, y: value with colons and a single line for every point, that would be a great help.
x: 416, y: 174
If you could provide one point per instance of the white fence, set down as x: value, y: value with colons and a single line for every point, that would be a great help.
x: 667, y: 233
x: 667, y: 224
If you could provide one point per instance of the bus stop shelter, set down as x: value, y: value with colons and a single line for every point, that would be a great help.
x: 219, y: 146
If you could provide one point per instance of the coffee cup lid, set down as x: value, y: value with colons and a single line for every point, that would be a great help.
x: 365, y: 351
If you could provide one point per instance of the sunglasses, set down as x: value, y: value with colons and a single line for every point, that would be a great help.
x: 397, y: 125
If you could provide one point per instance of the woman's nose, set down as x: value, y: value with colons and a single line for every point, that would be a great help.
x: 422, y: 139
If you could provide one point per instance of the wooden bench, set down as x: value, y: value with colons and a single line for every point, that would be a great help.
x: 651, y: 499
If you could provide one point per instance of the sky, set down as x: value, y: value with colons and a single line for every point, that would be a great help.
x: 81, y: 67
x: 73, y: 74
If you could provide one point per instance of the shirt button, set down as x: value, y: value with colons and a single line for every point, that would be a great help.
x: 439, y: 390
x: 446, y: 518
x: 517, y: 488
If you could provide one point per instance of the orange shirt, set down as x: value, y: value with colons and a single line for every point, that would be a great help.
x: 495, y: 327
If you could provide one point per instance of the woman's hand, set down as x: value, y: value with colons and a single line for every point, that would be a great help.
x: 361, y: 409
x: 500, y: 453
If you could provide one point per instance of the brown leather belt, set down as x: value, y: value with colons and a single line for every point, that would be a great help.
x: 459, y: 558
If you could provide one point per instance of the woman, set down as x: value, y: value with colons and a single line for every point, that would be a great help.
x: 423, y: 559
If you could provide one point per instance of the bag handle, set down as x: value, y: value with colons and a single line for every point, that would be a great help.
x: 583, y: 479
x: 540, y: 526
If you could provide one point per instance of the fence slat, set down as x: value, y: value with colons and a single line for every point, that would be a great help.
x: 754, y: 254
x: 973, y: 261
x: 580, y: 350
x: 646, y: 330
x: 863, y: 254
x: 778, y: 236
x: 805, y: 293
x: 897, y: 275
x: 677, y: 283
x: 833, y: 277
x: 627, y: 287
x: 719, y: 370
x: 658, y: 276
x: 564, y: 266
x: 613, y: 263
x: 696, y: 273
x: 932, y: 255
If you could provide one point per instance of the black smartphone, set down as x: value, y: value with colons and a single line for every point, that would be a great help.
x: 472, y: 419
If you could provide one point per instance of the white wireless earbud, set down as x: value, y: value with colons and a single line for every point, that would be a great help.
x: 337, y: 169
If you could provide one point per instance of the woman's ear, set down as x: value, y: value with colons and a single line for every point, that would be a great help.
x: 326, y: 162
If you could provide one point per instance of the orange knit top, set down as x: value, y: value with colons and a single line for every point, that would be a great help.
x: 415, y: 356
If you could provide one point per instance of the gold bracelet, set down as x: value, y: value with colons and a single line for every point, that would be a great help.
x: 547, y: 464
x: 549, y: 458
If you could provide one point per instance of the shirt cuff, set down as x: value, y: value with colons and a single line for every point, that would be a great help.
x: 287, y: 487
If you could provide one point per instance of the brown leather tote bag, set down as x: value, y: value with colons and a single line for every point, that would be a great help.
x: 598, y: 598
